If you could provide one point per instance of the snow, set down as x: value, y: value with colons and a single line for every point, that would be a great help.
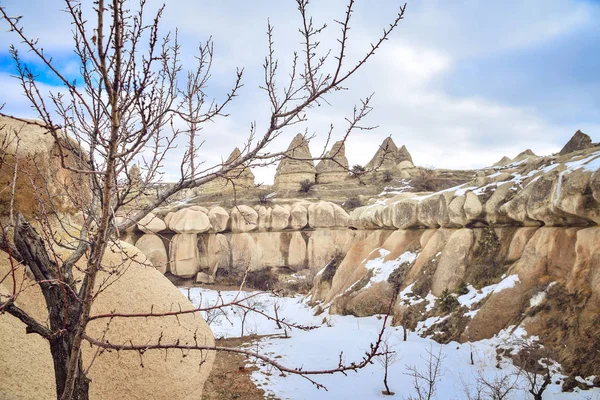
x: 383, y: 269
x: 537, y: 299
x: 507, y: 283
x: 350, y: 336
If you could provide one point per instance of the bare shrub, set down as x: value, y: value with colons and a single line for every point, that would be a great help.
x: 263, y: 279
x: 352, y: 203
x: 306, y: 185
x: 425, y: 381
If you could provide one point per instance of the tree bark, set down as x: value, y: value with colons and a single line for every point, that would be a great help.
x: 63, y: 305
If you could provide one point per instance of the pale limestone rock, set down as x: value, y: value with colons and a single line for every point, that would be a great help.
x: 595, y: 185
x: 199, y: 208
x: 443, y: 214
x: 405, y: 214
x: 243, y: 219
x: 219, y: 219
x: 218, y: 253
x: 321, y: 215
x: 280, y: 218
x: 453, y: 262
x: 428, y: 211
x: 270, y: 247
x: 26, y: 362
x: 184, y: 255
x: 456, y: 212
x: 473, y: 207
x: 168, y: 217
x: 341, y: 217
x: 291, y: 171
x: 264, y: 220
x: 299, y: 217
x: 347, y: 272
x: 575, y: 196
x: 154, y: 249
x: 203, y: 277
x: 335, y: 170
x: 493, y: 212
x: 187, y: 220
x: 297, y: 252
x: 245, y: 254
x: 151, y: 224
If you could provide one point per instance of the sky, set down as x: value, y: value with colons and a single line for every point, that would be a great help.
x: 460, y: 83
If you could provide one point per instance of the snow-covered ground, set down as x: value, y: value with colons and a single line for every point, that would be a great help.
x: 320, y: 348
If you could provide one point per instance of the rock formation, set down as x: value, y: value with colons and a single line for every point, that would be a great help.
x: 237, y: 179
x: 336, y: 169
x: 296, y: 166
x: 388, y: 156
x: 579, y: 141
x: 39, y: 166
x: 26, y: 364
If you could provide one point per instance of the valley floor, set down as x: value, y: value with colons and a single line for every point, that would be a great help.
x: 320, y: 348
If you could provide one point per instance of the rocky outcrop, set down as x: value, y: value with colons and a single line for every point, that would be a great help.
x: 39, y: 166
x: 334, y: 169
x: 151, y: 224
x: 189, y: 220
x: 579, y: 141
x: 240, y: 177
x: 152, y: 246
x: 184, y: 257
x: 296, y: 166
x: 388, y: 156
x: 26, y: 364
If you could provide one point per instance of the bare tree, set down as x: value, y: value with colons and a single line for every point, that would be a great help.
x: 124, y: 108
x: 534, y: 362
x: 425, y: 381
x: 387, y: 359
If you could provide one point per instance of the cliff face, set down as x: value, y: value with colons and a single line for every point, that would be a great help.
x: 516, y: 247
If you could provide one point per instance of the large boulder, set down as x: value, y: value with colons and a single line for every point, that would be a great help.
x: 280, y: 218
x: 297, y: 252
x: 151, y: 224
x: 219, y: 219
x: 321, y: 215
x: 154, y: 249
x: 296, y: 165
x: 184, y: 255
x: 245, y: 253
x: 334, y: 169
x: 219, y: 253
x: 299, y: 217
x: 26, y: 364
x: 453, y: 261
x: 189, y: 220
x: 243, y: 219
x: 39, y: 166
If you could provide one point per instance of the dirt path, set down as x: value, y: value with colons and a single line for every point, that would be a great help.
x: 229, y: 378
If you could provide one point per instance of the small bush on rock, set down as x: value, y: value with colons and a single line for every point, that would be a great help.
x: 447, y: 302
x: 306, y: 185
x: 352, y: 203
x: 264, y: 279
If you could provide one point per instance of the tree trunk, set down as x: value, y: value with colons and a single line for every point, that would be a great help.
x: 62, y: 303
x: 60, y: 348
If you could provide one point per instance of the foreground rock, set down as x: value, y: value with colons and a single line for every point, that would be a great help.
x: 27, y: 365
